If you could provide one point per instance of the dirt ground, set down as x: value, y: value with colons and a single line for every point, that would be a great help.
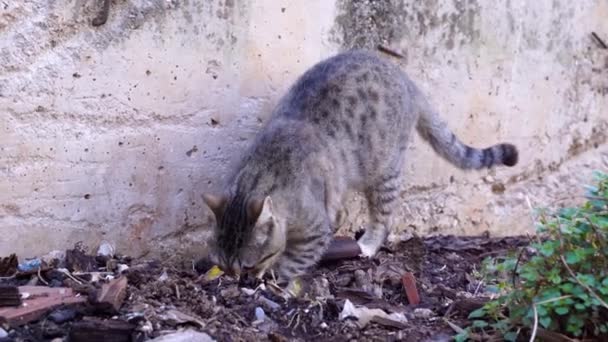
x: 168, y: 295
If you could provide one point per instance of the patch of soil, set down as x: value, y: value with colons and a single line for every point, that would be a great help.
x: 164, y: 296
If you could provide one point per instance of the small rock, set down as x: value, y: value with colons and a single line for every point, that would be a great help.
x: 377, y: 291
x: 184, y: 336
x: 122, y: 267
x: 320, y: 288
x: 363, y: 280
x: 423, y: 313
x: 245, y: 290
x: 62, y: 315
x: 269, y: 303
x: 106, y: 249
x: 146, y: 328
x: 259, y: 314
x: 230, y: 292
x: 164, y: 276
x: 323, y: 325
x: 3, y: 333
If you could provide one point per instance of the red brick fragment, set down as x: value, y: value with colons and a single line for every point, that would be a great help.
x: 409, y: 285
x: 41, y: 300
x: 112, y: 294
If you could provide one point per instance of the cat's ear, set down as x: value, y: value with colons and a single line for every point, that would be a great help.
x: 216, y: 203
x: 260, y: 209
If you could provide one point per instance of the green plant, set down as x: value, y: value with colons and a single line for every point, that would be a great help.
x: 559, y: 283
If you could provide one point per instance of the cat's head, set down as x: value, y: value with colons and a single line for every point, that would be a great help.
x: 248, y: 237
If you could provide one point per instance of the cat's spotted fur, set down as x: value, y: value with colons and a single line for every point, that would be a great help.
x: 344, y: 125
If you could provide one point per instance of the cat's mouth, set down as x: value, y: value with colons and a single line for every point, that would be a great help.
x: 262, y: 265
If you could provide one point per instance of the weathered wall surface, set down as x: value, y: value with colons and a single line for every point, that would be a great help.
x: 113, y: 132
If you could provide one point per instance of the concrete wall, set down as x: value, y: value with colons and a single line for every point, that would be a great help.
x: 113, y: 132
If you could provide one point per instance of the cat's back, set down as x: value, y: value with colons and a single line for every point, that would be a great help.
x: 339, y: 87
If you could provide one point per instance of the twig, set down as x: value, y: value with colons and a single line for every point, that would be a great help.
x: 67, y: 273
x: 553, y: 299
x: 42, y: 279
x: 514, y: 274
x: 581, y: 283
x: 599, y: 40
x: 177, y: 292
x: 388, y: 51
x: 481, y: 282
x: 535, y: 326
x: 9, y: 277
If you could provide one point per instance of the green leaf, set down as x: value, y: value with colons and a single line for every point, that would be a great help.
x: 580, y: 307
x: 547, y: 249
x: 567, y: 287
x: 545, y: 321
x: 480, y: 324
x: 572, y: 258
x: 561, y: 310
x: 481, y: 312
x: 462, y: 336
x: 511, y: 336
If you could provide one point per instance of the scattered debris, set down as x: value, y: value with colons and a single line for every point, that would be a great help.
x: 78, y: 261
x: 8, y: 266
x: 341, y: 248
x: 38, y: 300
x: 184, y: 336
x: 30, y: 265
x: 365, y: 315
x: 92, y: 329
x: 174, y: 317
x: 423, y: 313
x: 54, y: 258
x: 106, y: 249
x: 409, y: 285
x: 161, y: 297
x: 9, y: 295
x: 259, y: 315
x: 112, y: 295
x: 213, y: 273
x: 62, y: 315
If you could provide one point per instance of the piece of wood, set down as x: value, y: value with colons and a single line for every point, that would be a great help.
x: 112, y: 295
x: 77, y: 261
x: 99, y: 330
x: 37, y: 301
x: 341, y: 248
x: 8, y: 265
x: 409, y: 285
x: 9, y: 295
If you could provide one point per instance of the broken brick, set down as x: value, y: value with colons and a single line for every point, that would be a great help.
x: 409, y: 285
x: 112, y: 294
x: 39, y: 301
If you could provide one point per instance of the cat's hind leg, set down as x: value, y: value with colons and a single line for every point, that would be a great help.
x: 382, y: 201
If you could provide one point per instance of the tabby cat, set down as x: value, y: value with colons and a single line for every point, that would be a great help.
x: 344, y: 125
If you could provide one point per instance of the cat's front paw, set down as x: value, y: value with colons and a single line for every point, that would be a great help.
x: 367, y: 251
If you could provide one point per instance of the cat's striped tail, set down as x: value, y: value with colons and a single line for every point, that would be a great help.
x: 436, y: 132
